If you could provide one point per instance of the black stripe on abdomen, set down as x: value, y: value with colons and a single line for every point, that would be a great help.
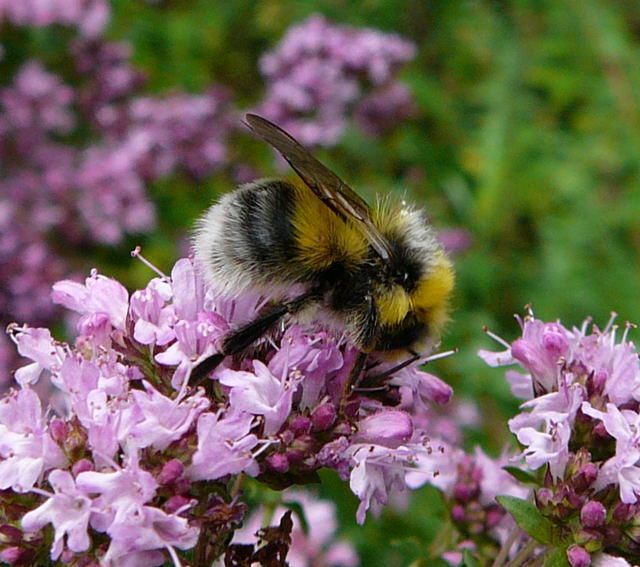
x: 265, y: 210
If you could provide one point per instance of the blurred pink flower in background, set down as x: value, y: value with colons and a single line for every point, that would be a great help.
x: 321, y: 72
x: 315, y: 546
x: 59, y: 191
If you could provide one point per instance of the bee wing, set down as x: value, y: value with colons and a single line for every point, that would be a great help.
x: 331, y: 190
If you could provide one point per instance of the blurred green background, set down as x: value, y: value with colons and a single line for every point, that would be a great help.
x: 527, y: 136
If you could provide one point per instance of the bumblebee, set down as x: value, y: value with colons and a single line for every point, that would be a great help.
x: 379, y: 273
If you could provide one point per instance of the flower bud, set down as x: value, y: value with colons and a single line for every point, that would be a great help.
x: 59, y: 430
x: 176, y: 502
x: 585, y: 477
x: 554, y: 341
x: 83, y: 465
x: 622, y: 512
x: 323, y: 417
x: 300, y: 425
x: 495, y: 514
x: 15, y: 555
x: 295, y: 455
x: 544, y: 497
x: 278, y: 462
x: 465, y: 491
x: 593, y: 514
x: 590, y: 539
x: 578, y: 556
x: 10, y: 534
x: 171, y: 471
x: 457, y: 514
x: 390, y: 428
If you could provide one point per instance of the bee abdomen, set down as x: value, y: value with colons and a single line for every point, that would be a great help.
x: 246, y: 239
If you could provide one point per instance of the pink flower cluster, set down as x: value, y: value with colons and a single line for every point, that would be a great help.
x: 580, y: 424
x: 321, y: 71
x: 61, y: 189
x: 90, y: 16
x: 135, y: 448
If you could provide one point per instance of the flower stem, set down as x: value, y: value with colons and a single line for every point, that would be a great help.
x: 504, y: 551
x: 523, y: 555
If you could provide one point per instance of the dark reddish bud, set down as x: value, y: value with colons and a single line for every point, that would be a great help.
x: 463, y: 491
x: 16, y: 555
x: 351, y: 408
x: 574, y: 500
x: 10, y: 534
x: 578, y: 556
x: 83, y: 465
x: 457, y: 514
x: 171, y: 471
x: 295, y: 456
x: 622, y: 513
x: 175, y: 503
x: 544, y: 497
x: 278, y: 462
x: 182, y: 485
x: 495, y: 514
x: 59, y: 430
x: 585, y: 477
x: 323, y: 417
x: 593, y: 514
x: 300, y: 425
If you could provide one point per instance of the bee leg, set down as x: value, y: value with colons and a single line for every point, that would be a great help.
x: 202, y: 369
x: 245, y: 336
x: 373, y: 365
x: 369, y: 381
x: 354, y: 374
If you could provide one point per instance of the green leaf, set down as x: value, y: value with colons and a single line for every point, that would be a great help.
x: 522, y: 476
x: 468, y: 560
x: 557, y: 558
x: 529, y: 519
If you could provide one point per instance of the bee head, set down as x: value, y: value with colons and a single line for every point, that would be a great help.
x: 412, y: 308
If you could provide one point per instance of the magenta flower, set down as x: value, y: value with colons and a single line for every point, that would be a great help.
x: 136, y: 537
x: 144, y: 445
x: 224, y: 447
x: 320, y: 72
x: 161, y: 420
x: 261, y: 393
x: 39, y: 346
x: 622, y: 468
x: 387, y: 427
x: 377, y: 470
x: 26, y: 447
x: 154, y: 318
x: 68, y: 509
x: 581, y: 426
x: 195, y: 341
x: 90, y: 16
x: 99, y: 294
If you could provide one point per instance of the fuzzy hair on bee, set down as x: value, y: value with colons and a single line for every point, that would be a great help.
x: 379, y: 273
